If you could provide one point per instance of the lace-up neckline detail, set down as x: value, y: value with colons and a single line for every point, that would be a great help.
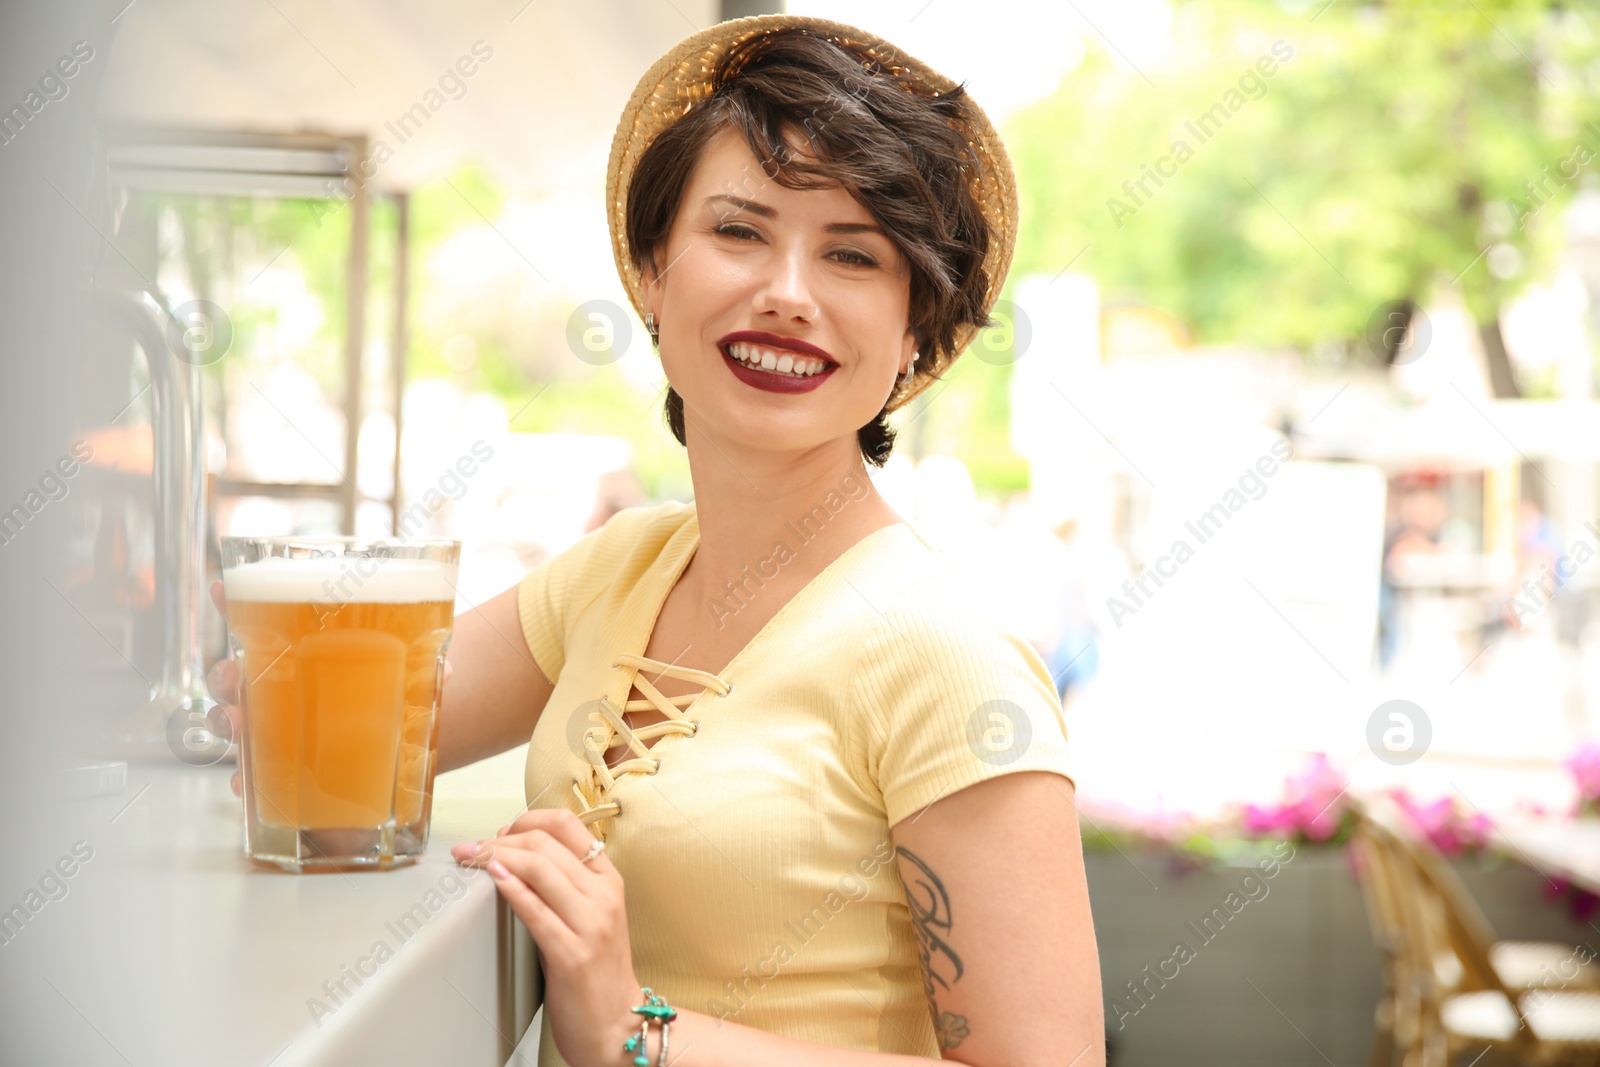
x: 609, y: 724
x: 595, y: 784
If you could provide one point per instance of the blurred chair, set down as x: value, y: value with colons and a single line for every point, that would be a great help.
x: 1396, y: 1021
x: 1450, y: 987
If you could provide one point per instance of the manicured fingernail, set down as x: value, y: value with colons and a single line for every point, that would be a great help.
x: 498, y: 869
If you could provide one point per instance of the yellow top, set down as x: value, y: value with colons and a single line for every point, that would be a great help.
x: 753, y: 834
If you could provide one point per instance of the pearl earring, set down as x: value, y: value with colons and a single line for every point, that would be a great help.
x: 910, y: 368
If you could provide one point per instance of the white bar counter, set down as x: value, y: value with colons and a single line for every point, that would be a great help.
x: 1562, y: 848
x: 169, y: 948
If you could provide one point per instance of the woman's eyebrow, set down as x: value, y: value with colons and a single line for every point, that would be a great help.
x: 741, y: 204
x: 764, y: 211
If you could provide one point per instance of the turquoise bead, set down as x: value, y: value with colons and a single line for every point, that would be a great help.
x: 641, y: 1061
x: 656, y: 1011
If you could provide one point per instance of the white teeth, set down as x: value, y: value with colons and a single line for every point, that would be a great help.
x: 795, y: 366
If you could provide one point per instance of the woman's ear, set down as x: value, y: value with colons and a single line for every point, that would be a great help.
x: 651, y: 289
x: 908, y: 345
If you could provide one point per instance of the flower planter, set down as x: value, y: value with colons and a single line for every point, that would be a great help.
x: 1229, y: 966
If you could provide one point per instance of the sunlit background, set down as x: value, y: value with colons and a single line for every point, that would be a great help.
x: 1282, y: 449
x: 1376, y: 254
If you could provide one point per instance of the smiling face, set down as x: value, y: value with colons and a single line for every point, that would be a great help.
x: 753, y: 273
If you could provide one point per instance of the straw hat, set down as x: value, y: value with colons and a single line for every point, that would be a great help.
x: 681, y: 79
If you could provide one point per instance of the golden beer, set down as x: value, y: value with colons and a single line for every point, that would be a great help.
x: 341, y: 657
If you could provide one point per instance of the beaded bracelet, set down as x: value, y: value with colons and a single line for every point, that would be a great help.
x: 657, y: 1008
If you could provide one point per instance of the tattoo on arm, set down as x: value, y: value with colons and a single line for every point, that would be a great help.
x: 930, y: 918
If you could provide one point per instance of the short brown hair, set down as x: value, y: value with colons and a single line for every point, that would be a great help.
x: 875, y: 130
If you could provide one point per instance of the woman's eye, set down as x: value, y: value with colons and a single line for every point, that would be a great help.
x: 857, y: 259
x: 741, y: 232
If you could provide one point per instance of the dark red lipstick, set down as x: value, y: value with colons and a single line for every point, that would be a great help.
x: 774, y: 381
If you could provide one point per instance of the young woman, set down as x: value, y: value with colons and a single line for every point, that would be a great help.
x: 784, y: 772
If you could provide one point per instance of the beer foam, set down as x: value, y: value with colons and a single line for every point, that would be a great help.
x: 366, y: 580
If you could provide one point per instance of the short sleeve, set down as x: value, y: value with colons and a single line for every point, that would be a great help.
x: 552, y: 593
x: 949, y: 700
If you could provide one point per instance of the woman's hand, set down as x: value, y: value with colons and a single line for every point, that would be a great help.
x: 578, y: 917
x: 222, y: 681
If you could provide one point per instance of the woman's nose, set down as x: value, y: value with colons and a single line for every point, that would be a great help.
x: 786, y: 291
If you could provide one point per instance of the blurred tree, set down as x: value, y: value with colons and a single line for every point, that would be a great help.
x: 1291, y: 169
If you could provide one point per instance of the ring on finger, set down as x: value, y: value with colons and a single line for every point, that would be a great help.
x: 595, y: 848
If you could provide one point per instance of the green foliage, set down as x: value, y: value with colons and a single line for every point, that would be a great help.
x: 219, y: 247
x: 1387, y: 148
x: 1195, y: 847
x: 465, y: 198
x: 968, y: 415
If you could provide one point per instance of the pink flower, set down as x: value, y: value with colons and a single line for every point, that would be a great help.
x: 1585, y: 767
x: 1450, y: 830
x: 1311, y: 807
x: 1262, y: 821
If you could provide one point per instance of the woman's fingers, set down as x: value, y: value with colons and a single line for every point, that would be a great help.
x: 222, y: 681
x: 569, y: 906
x: 554, y: 875
x: 544, y: 849
x: 561, y: 854
x: 560, y: 824
x: 235, y: 733
x: 542, y: 922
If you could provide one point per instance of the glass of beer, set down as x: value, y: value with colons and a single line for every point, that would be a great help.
x: 340, y: 643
